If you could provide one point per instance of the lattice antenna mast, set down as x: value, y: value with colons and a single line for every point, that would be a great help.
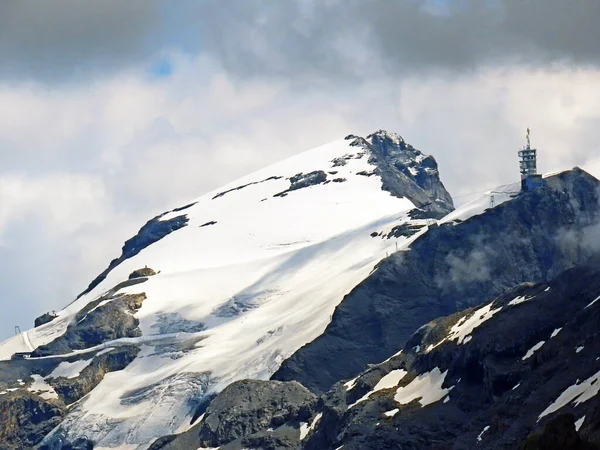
x: 528, y: 155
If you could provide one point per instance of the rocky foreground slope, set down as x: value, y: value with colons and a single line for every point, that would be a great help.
x: 520, y: 371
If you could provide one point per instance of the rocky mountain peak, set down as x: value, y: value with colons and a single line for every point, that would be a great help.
x: 401, y: 165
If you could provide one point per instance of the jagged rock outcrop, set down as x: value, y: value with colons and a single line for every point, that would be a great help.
x: 248, y: 406
x: 43, y: 319
x: 25, y: 418
x: 304, y: 180
x: 399, y: 165
x: 107, y: 318
x: 453, y: 266
x: 251, y: 414
x: 72, y: 389
x: 142, y: 273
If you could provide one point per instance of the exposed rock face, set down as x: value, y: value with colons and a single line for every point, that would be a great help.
x: 107, y: 318
x: 142, y: 273
x: 72, y: 389
x: 248, y: 406
x: 29, y: 413
x: 559, y: 433
x: 249, y: 414
x: 529, y: 239
x: 43, y: 319
x: 25, y: 418
x: 400, y: 164
x: 304, y: 180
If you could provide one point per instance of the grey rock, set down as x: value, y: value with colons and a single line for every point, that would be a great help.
x: 249, y: 406
x: 302, y: 180
x: 491, y: 385
x: 142, y: 273
x: 44, y: 319
x: 25, y: 418
x: 406, y: 172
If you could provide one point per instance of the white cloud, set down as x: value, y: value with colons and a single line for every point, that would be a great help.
x: 83, y: 166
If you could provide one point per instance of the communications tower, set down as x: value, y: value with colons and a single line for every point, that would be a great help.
x: 530, y: 179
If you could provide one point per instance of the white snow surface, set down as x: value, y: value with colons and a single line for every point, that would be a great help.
x: 518, y: 300
x: 426, y: 387
x: 70, y: 370
x: 594, y: 301
x: 387, y: 382
x: 305, y: 429
x: 579, y: 423
x: 577, y: 393
x: 479, y: 205
x: 461, y: 330
x: 555, y: 332
x: 532, y: 350
x: 264, y: 280
x: 480, y: 436
x: 392, y: 412
x: 42, y: 388
x: 349, y: 385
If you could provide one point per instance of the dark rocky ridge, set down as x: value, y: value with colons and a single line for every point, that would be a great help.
x: 221, y: 194
x: 529, y: 239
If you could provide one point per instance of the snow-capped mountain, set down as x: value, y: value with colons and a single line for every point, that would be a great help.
x: 224, y: 288
x: 257, y: 316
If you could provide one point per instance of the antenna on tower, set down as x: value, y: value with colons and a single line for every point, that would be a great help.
x: 530, y: 179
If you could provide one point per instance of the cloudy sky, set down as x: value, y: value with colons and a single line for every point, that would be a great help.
x: 112, y: 112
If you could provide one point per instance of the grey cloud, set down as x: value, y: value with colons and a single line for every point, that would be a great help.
x: 60, y: 39
x: 305, y: 39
